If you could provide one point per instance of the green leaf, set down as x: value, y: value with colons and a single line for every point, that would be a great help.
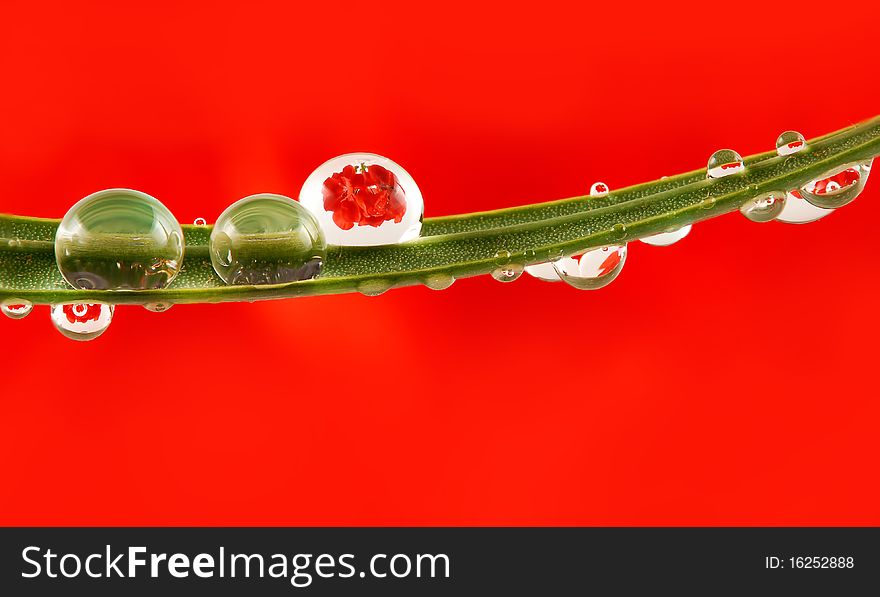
x: 455, y: 246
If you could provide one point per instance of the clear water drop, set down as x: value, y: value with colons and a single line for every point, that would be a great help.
x: 798, y: 210
x: 16, y: 308
x: 764, y: 208
x: 82, y: 321
x: 364, y: 199
x: 724, y: 162
x: 374, y: 287
x: 200, y: 222
x: 119, y: 239
x: 790, y: 142
x: 439, y: 281
x: 618, y: 231
x: 506, y: 269
x: 664, y: 239
x: 158, y: 307
x: 267, y: 239
x: 599, y: 189
x: 836, y: 188
x: 592, y: 270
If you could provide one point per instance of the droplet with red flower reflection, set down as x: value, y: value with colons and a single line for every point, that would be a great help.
x: 16, y: 308
x: 599, y: 189
x: 790, y: 142
x: 724, y: 162
x: 364, y: 199
x: 592, y: 270
x: 82, y: 321
x: 838, y: 187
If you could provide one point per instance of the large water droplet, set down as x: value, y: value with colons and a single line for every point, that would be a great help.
x: 764, y: 208
x: 363, y: 199
x: 506, y: 269
x: 267, y: 239
x: 16, y: 308
x: 82, y: 321
x: 724, y: 162
x: 798, y: 210
x: 664, y: 239
x: 439, y: 281
x: 594, y: 269
x: 837, y: 188
x: 599, y: 189
x: 119, y: 239
x: 790, y: 142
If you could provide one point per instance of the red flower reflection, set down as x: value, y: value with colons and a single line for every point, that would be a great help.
x: 82, y: 313
x: 838, y: 182
x: 364, y: 196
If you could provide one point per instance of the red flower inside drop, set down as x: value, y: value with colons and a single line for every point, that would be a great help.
x: 364, y: 196
x: 82, y: 313
x: 836, y: 183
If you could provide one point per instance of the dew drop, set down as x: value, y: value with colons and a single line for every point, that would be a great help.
x: 594, y: 269
x: 200, y: 222
x: 266, y: 239
x: 599, y: 189
x: 764, y: 208
x: 82, y: 321
x: 439, y: 281
x: 837, y: 188
x: 373, y: 287
x: 364, y: 199
x: 618, y: 231
x: 506, y: 270
x: 158, y: 307
x: 724, y: 162
x: 790, y: 142
x: 798, y: 210
x: 119, y: 239
x: 664, y: 239
x: 16, y: 308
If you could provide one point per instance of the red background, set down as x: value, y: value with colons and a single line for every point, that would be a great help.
x: 729, y: 379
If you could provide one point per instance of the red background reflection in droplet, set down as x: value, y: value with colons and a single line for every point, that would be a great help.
x: 729, y: 379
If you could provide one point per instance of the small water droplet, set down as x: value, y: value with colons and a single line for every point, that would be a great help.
x: 764, y: 208
x: 664, y: 239
x: 724, y: 162
x: 594, y: 269
x: 837, y: 188
x: 599, y: 189
x: 200, y: 222
x: 618, y: 231
x: 373, y: 287
x: 16, y: 308
x: 82, y: 321
x: 707, y: 203
x: 506, y: 270
x: 798, y: 210
x: 439, y: 281
x: 790, y: 142
x: 158, y: 307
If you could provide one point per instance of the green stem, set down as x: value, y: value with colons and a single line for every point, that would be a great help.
x: 457, y: 246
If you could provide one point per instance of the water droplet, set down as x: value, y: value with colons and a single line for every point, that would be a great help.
x: 724, y: 162
x: 364, y: 199
x: 82, y: 321
x: 16, y: 308
x: 594, y: 269
x: 119, y: 239
x: 373, y: 287
x: 200, y: 222
x: 506, y: 270
x: 439, y: 281
x: 664, y: 239
x: 618, y: 231
x: 764, y: 208
x: 708, y: 203
x: 837, y: 188
x: 599, y: 189
x: 158, y: 307
x: 266, y: 239
x: 790, y: 142
x: 798, y: 210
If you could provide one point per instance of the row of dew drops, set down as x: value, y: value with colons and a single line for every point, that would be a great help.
x: 589, y: 270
